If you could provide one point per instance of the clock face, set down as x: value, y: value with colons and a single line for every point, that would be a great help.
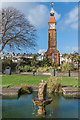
x: 52, y: 25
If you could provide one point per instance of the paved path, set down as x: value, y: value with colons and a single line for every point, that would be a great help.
x: 69, y: 91
x: 36, y: 74
x: 13, y: 91
x: 57, y: 74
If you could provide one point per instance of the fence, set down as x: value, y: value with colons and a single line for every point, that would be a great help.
x: 65, y: 74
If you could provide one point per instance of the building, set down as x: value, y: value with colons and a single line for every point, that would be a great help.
x: 18, y: 57
x: 40, y: 57
x: 66, y: 59
x: 52, y: 51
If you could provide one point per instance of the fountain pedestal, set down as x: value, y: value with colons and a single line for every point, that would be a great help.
x: 42, y: 101
x: 41, y: 110
x: 42, y: 91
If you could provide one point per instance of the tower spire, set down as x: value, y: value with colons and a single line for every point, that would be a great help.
x: 52, y: 11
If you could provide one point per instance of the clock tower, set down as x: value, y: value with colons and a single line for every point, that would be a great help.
x: 52, y: 51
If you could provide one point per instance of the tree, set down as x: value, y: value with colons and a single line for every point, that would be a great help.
x: 67, y: 66
x: 64, y: 55
x: 75, y: 58
x: 16, y: 30
x: 34, y: 60
x: 46, y: 62
x: 72, y: 56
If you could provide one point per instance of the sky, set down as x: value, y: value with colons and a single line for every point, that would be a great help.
x: 66, y: 15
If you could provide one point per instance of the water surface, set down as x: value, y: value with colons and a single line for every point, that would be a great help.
x: 23, y: 107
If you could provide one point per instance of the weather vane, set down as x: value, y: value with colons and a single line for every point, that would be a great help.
x: 52, y: 4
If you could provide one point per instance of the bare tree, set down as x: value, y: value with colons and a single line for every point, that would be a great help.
x: 16, y: 30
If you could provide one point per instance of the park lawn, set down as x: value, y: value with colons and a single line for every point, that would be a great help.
x: 13, y: 80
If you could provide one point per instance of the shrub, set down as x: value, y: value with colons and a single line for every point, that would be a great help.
x: 44, y: 69
x: 25, y: 89
x: 46, y: 62
x: 26, y: 68
x: 8, y: 62
x: 54, y: 85
x: 55, y: 65
x: 35, y: 69
x: 67, y: 66
x: 21, y: 68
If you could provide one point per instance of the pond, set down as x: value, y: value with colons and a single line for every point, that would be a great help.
x: 23, y: 107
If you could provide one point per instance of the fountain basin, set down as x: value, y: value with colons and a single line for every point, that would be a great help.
x: 42, y: 100
x: 41, y: 104
x: 46, y: 101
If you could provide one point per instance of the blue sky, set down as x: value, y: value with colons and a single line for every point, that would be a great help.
x: 66, y: 14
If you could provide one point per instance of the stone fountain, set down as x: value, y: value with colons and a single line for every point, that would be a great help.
x: 42, y: 101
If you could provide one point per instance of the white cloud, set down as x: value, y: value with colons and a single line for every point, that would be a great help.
x: 42, y: 51
x: 57, y: 16
x: 75, y: 49
x: 74, y: 26
x: 39, y: 15
x: 69, y: 49
x: 70, y: 19
x: 72, y: 16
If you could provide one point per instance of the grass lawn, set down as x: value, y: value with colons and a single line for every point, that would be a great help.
x: 13, y: 80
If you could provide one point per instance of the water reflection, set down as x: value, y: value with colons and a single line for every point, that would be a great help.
x: 56, y: 97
